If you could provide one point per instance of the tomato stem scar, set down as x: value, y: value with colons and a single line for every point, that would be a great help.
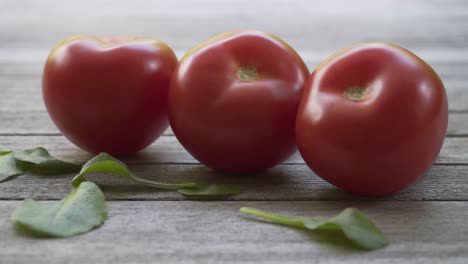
x: 355, y: 93
x: 247, y: 73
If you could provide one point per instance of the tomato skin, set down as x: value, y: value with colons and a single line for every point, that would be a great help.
x: 109, y: 94
x: 382, y: 143
x: 233, y: 124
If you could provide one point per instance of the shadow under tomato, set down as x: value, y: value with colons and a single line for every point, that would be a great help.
x: 143, y: 157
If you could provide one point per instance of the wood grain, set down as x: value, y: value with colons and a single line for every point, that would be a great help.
x: 214, y: 232
x: 167, y: 150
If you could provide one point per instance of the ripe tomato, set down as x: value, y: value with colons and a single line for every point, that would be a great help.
x: 109, y: 94
x: 234, y: 98
x: 372, y: 119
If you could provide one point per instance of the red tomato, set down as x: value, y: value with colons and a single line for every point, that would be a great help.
x: 234, y: 98
x: 372, y: 119
x: 109, y: 94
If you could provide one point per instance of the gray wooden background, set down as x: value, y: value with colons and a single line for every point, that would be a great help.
x: 426, y: 223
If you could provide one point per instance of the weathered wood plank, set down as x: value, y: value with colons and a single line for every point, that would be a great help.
x: 319, y: 25
x: 17, y: 122
x: 168, y: 150
x: 458, y: 124
x: 284, y: 182
x: 214, y: 232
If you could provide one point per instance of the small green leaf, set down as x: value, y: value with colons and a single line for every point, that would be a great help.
x: 105, y: 163
x: 360, y: 229
x: 4, y: 151
x: 39, y: 161
x: 209, y: 191
x: 82, y: 210
x: 355, y: 226
x: 8, y: 166
x: 102, y: 163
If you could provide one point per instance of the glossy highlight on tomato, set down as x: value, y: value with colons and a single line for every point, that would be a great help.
x: 234, y: 98
x: 372, y: 119
x: 109, y: 94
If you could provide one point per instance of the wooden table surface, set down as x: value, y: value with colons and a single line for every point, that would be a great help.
x: 426, y: 223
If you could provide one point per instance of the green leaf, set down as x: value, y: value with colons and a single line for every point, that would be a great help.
x: 355, y: 226
x: 39, y: 161
x: 82, y: 210
x: 4, y: 151
x: 8, y: 166
x: 102, y: 163
x: 209, y: 191
x: 105, y: 163
x: 359, y: 228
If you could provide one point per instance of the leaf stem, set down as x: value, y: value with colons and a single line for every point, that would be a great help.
x: 161, y: 185
x: 275, y: 218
